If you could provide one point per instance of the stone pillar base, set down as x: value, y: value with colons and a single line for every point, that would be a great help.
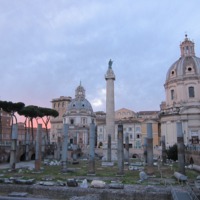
x: 150, y: 170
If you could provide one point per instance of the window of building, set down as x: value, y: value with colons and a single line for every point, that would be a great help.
x: 187, y: 49
x: 131, y: 136
x: 191, y: 92
x: 137, y: 129
x: 58, y: 105
x: 63, y: 104
x: 138, y: 136
x: 71, y: 141
x: 172, y: 94
x: 54, y: 105
x: 130, y: 129
x: 100, y: 136
x: 71, y: 121
x: 84, y: 120
x: 100, y: 129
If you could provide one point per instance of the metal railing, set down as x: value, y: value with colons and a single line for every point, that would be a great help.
x: 191, y: 192
x: 193, y: 147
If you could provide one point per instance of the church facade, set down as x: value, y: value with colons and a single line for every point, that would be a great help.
x: 79, y: 115
x: 182, y: 90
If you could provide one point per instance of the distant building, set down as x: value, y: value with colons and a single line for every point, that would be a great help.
x: 5, y: 129
x: 124, y: 113
x: 134, y: 125
x: 22, y: 130
x: 79, y: 115
x: 182, y: 89
x: 60, y: 105
x: 148, y: 114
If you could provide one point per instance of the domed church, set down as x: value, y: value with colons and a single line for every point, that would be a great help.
x: 182, y: 89
x: 79, y: 114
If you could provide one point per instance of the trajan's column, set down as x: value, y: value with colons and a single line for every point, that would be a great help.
x: 110, y: 113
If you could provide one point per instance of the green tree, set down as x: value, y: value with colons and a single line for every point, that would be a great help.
x: 172, y: 152
x: 46, y: 114
x: 31, y: 112
x: 11, y: 108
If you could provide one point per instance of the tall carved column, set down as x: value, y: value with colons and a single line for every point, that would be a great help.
x: 110, y: 109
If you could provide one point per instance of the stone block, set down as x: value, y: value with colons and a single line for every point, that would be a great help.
x: 143, y: 176
x: 72, y: 183
x: 18, y: 194
x: 47, y: 183
x: 8, y: 181
x: 84, y: 184
x: 98, y: 184
x: 107, y: 164
x: 116, y: 186
x: 87, y: 197
x: 23, y: 181
x: 180, y: 177
x: 197, y: 184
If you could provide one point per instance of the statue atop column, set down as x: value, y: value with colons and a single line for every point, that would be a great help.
x: 110, y: 63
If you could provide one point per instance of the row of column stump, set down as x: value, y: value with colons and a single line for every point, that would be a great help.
x: 122, y: 153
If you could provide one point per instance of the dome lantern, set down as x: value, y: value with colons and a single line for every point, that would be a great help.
x: 187, y: 47
x: 80, y: 92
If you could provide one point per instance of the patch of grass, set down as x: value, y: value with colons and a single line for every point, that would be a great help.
x: 109, y: 173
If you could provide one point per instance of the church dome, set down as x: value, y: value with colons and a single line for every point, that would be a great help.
x: 183, y: 78
x: 80, y: 103
x: 187, y: 66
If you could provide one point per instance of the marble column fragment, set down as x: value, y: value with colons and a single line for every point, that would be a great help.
x: 64, y: 147
x: 164, y: 155
x: 13, y: 150
x: 43, y: 145
x: 181, y: 148
x: 57, y: 151
x: 150, y: 169
x: 126, y: 148
x: 92, y: 149
x: 38, y: 147
x: 145, y: 150
x: 109, y: 148
x: 120, y: 150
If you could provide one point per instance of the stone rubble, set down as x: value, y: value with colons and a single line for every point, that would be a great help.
x: 98, y: 184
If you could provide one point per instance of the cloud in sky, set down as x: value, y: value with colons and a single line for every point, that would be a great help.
x: 48, y: 47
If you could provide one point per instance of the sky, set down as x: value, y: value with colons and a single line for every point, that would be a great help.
x: 49, y: 46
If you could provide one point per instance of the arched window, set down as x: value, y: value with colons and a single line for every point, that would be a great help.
x: 191, y: 92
